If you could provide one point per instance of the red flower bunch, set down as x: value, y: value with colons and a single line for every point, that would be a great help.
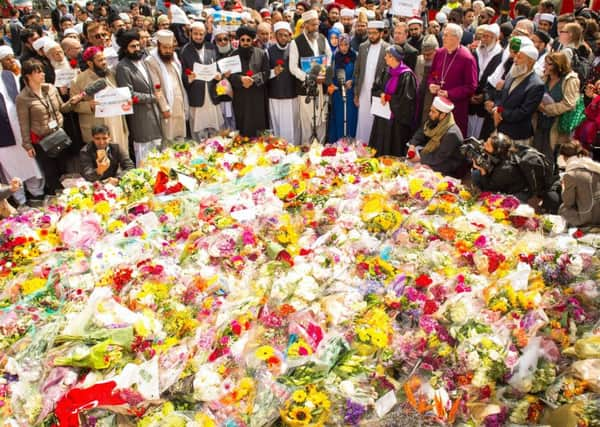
x: 157, y: 86
x: 279, y: 62
x: 135, y: 99
x: 387, y: 97
x: 188, y: 71
x: 329, y: 152
x: 168, y: 4
x: 411, y: 154
x: 423, y: 281
x: 578, y: 234
x: 73, y: 63
x: 500, y: 109
x: 249, y: 73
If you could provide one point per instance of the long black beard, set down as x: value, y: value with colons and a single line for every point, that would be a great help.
x: 198, y: 45
x: 165, y: 58
x: 135, y: 56
x: 347, y: 28
x: 100, y: 72
x: 245, y: 52
x: 431, y: 124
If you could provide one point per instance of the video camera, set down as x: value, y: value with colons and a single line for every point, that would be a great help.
x: 473, y: 150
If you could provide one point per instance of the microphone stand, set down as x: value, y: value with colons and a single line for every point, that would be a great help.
x: 341, y: 77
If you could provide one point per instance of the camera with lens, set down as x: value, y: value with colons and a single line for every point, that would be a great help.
x: 472, y: 149
x: 311, y: 86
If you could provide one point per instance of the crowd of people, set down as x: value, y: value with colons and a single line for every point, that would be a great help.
x: 414, y: 87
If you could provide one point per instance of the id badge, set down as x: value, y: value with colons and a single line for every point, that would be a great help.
x: 52, y: 124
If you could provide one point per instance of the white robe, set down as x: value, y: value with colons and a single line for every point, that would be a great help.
x: 283, y: 115
x: 365, y: 118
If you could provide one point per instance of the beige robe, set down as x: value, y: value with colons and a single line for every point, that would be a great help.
x: 116, y: 125
x: 173, y: 127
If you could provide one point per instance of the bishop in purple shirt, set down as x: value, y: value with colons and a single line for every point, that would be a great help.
x: 454, y: 74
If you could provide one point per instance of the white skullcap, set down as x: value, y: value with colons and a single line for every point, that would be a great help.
x: 529, y: 51
x: 478, y: 3
x: 5, y: 51
x: 79, y: 28
x: 347, y: 13
x: 165, y: 37
x: 375, y: 24
x: 370, y: 14
x: 441, y: 18
x: 282, y: 25
x: 547, y: 17
x: 415, y: 21
x: 40, y: 43
x: 308, y: 15
x: 443, y: 105
x: 198, y: 24
x: 70, y: 31
x: 50, y: 44
x: 492, y: 28
x: 124, y: 17
x: 327, y: 2
x: 217, y: 31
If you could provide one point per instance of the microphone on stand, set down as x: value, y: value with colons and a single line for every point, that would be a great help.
x: 340, y: 75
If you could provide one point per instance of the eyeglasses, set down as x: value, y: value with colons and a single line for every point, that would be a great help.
x: 221, y: 39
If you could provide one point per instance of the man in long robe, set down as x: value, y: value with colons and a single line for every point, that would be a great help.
x: 283, y: 101
x: 370, y: 63
x: 312, y: 108
x: 165, y: 73
x: 454, y: 74
x: 249, y: 86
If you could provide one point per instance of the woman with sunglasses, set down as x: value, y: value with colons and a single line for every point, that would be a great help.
x: 40, y: 108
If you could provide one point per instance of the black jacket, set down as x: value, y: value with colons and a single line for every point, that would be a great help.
x: 519, y: 105
x: 195, y: 90
x: 506, y: 177
x: 118, y: 159
x: 447, y: 159
x: 410, y: 55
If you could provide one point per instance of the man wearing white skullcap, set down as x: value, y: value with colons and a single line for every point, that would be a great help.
x: 437, y: 143
x: 7, y: 60
x: 308, y: 44
x: 415, y: 32
x: 489, y: 56
x: 346, y: 19
x: 165, y: 74
x: 520, y: 97
x: 283, y: 100
x: 370, y: 63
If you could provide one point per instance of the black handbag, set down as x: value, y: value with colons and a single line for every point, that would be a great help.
x: 56, y: 142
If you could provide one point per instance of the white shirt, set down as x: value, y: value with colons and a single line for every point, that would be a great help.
x: 295, y: 59
x: 140, y: 66
x: 485, y: 55
x: 370, y: 67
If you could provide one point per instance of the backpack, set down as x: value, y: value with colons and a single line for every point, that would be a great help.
x: 581, y: 65
x: 536, y: 168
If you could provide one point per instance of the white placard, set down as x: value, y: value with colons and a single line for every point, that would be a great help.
x: 231, y: 63
x: 64, y: 77
x: 205, y: 72
x: 380, y: 110
x: 112, y: 57
x: 408, y: 8
x: 113, y: 102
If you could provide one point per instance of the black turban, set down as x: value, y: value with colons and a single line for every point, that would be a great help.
x: 126, y: 37
x: 244, y: 30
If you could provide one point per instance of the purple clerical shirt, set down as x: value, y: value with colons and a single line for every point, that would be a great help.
x: 456, y: 73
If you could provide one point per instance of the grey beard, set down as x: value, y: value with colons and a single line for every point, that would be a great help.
x: 313, y: 35
x: 64, y: 65
x: 518, y: 70
x: 224, y: 49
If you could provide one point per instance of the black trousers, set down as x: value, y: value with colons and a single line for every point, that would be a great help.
x: 51, y: 168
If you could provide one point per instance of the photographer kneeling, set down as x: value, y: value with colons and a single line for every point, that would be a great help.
x: 503, y: 167
x: 494, y: 166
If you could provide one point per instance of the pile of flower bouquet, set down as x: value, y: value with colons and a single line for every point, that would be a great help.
x: 246, y: 283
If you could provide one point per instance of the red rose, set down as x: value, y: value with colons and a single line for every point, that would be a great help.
x: 329, y: 152
x: 423, y: 281
x: 135, y: 99
x: 73, y: 63
x: 388, y: 97
x: 157, y: 86
x: 411, y: 154
x: 430, y: 307
x: 249, y: 73
x: 188, y: 71
x: 578, y: 234
x: 500, y: 109
x: 168, y: 4
x: 279, y: 62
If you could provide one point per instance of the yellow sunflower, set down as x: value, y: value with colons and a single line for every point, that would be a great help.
x: 299, y: 396
x: 300, y: 414
x: 265, y: 352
